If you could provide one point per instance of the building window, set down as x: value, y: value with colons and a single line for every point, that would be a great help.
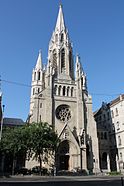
x: 33, y: 91
x: 55, y: 90
x: 72, y: 92
x: 70, y: 61
x: 38, y: 90
x: 62, y: 37
x: 67, y: 91
x: 64, y: 91
x: 112, y: 114
x: 56, y: 38
x: 63, y: 113
x: 34, y: 76
x: 118, y: 127
x: 54, y: 59
x: 38, y: 75
x: 59, y: 90
x: 119, y: 140
x: 63, y: 60
x: 116, y: 111
x: 40, y: 105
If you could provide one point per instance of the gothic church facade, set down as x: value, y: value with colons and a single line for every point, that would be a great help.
x: 60, y: 97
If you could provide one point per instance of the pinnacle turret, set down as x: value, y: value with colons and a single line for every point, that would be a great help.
x: 39, y: 61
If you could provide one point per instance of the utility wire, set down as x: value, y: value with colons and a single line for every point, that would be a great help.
x: 25, y: 85
x: 16, y: 83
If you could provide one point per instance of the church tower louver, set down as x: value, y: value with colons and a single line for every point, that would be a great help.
x: 60, y: 97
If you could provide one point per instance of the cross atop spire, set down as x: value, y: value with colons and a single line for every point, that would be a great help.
x: 60, y: 24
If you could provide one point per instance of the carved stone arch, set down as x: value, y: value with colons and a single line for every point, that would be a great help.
x: 65, y: 154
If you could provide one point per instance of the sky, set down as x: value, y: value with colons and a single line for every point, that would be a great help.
x: 96, y: 29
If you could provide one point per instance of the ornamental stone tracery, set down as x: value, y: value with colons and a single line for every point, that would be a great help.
x: 63, y: 113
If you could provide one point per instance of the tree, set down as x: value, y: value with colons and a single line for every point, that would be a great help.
x: 13, y: 142
x: 37, y: 140
x: 43, y: 142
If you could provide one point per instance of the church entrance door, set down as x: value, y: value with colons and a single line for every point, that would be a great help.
x: 64, y: 162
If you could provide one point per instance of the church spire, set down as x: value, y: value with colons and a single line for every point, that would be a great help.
x: 60, y: 24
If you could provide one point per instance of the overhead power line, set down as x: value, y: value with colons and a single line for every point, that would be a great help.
x: 16, y: 83
x: 29, y: 86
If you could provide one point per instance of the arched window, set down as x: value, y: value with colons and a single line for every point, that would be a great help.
x: 72, y: 91
x: 67, y: 91
x: 54, y: 59
x: 70, y: 61
x: 55, y: 90
x: 38, y: 75
x: 59, y: 90
x: 63, y: 60
x: 62, y: 37
x: 116, y: 110
x: 34, y: 76
x: 38, y: 90
x: 56, y: 38
x: 119, y: 140
x: 64, y: 91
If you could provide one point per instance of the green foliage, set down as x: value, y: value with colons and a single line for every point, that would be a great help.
x: 114, y: 173
x: 37, y: 140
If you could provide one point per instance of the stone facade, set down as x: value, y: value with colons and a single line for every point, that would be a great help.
x: 60, y: 97
x: 110, y: 127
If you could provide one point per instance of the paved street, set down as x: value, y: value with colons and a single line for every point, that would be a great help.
x: 61, y: 181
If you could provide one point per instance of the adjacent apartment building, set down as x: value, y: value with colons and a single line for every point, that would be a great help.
x: 110, y: 131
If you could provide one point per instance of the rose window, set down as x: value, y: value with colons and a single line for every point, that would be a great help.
x: 63, y: 113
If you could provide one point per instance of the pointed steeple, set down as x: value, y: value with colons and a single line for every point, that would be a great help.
x: 60, y: 24
x: 39, y: 61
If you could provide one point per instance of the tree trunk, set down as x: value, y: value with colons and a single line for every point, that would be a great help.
x: 40, y: 160
x: 13, y: 166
